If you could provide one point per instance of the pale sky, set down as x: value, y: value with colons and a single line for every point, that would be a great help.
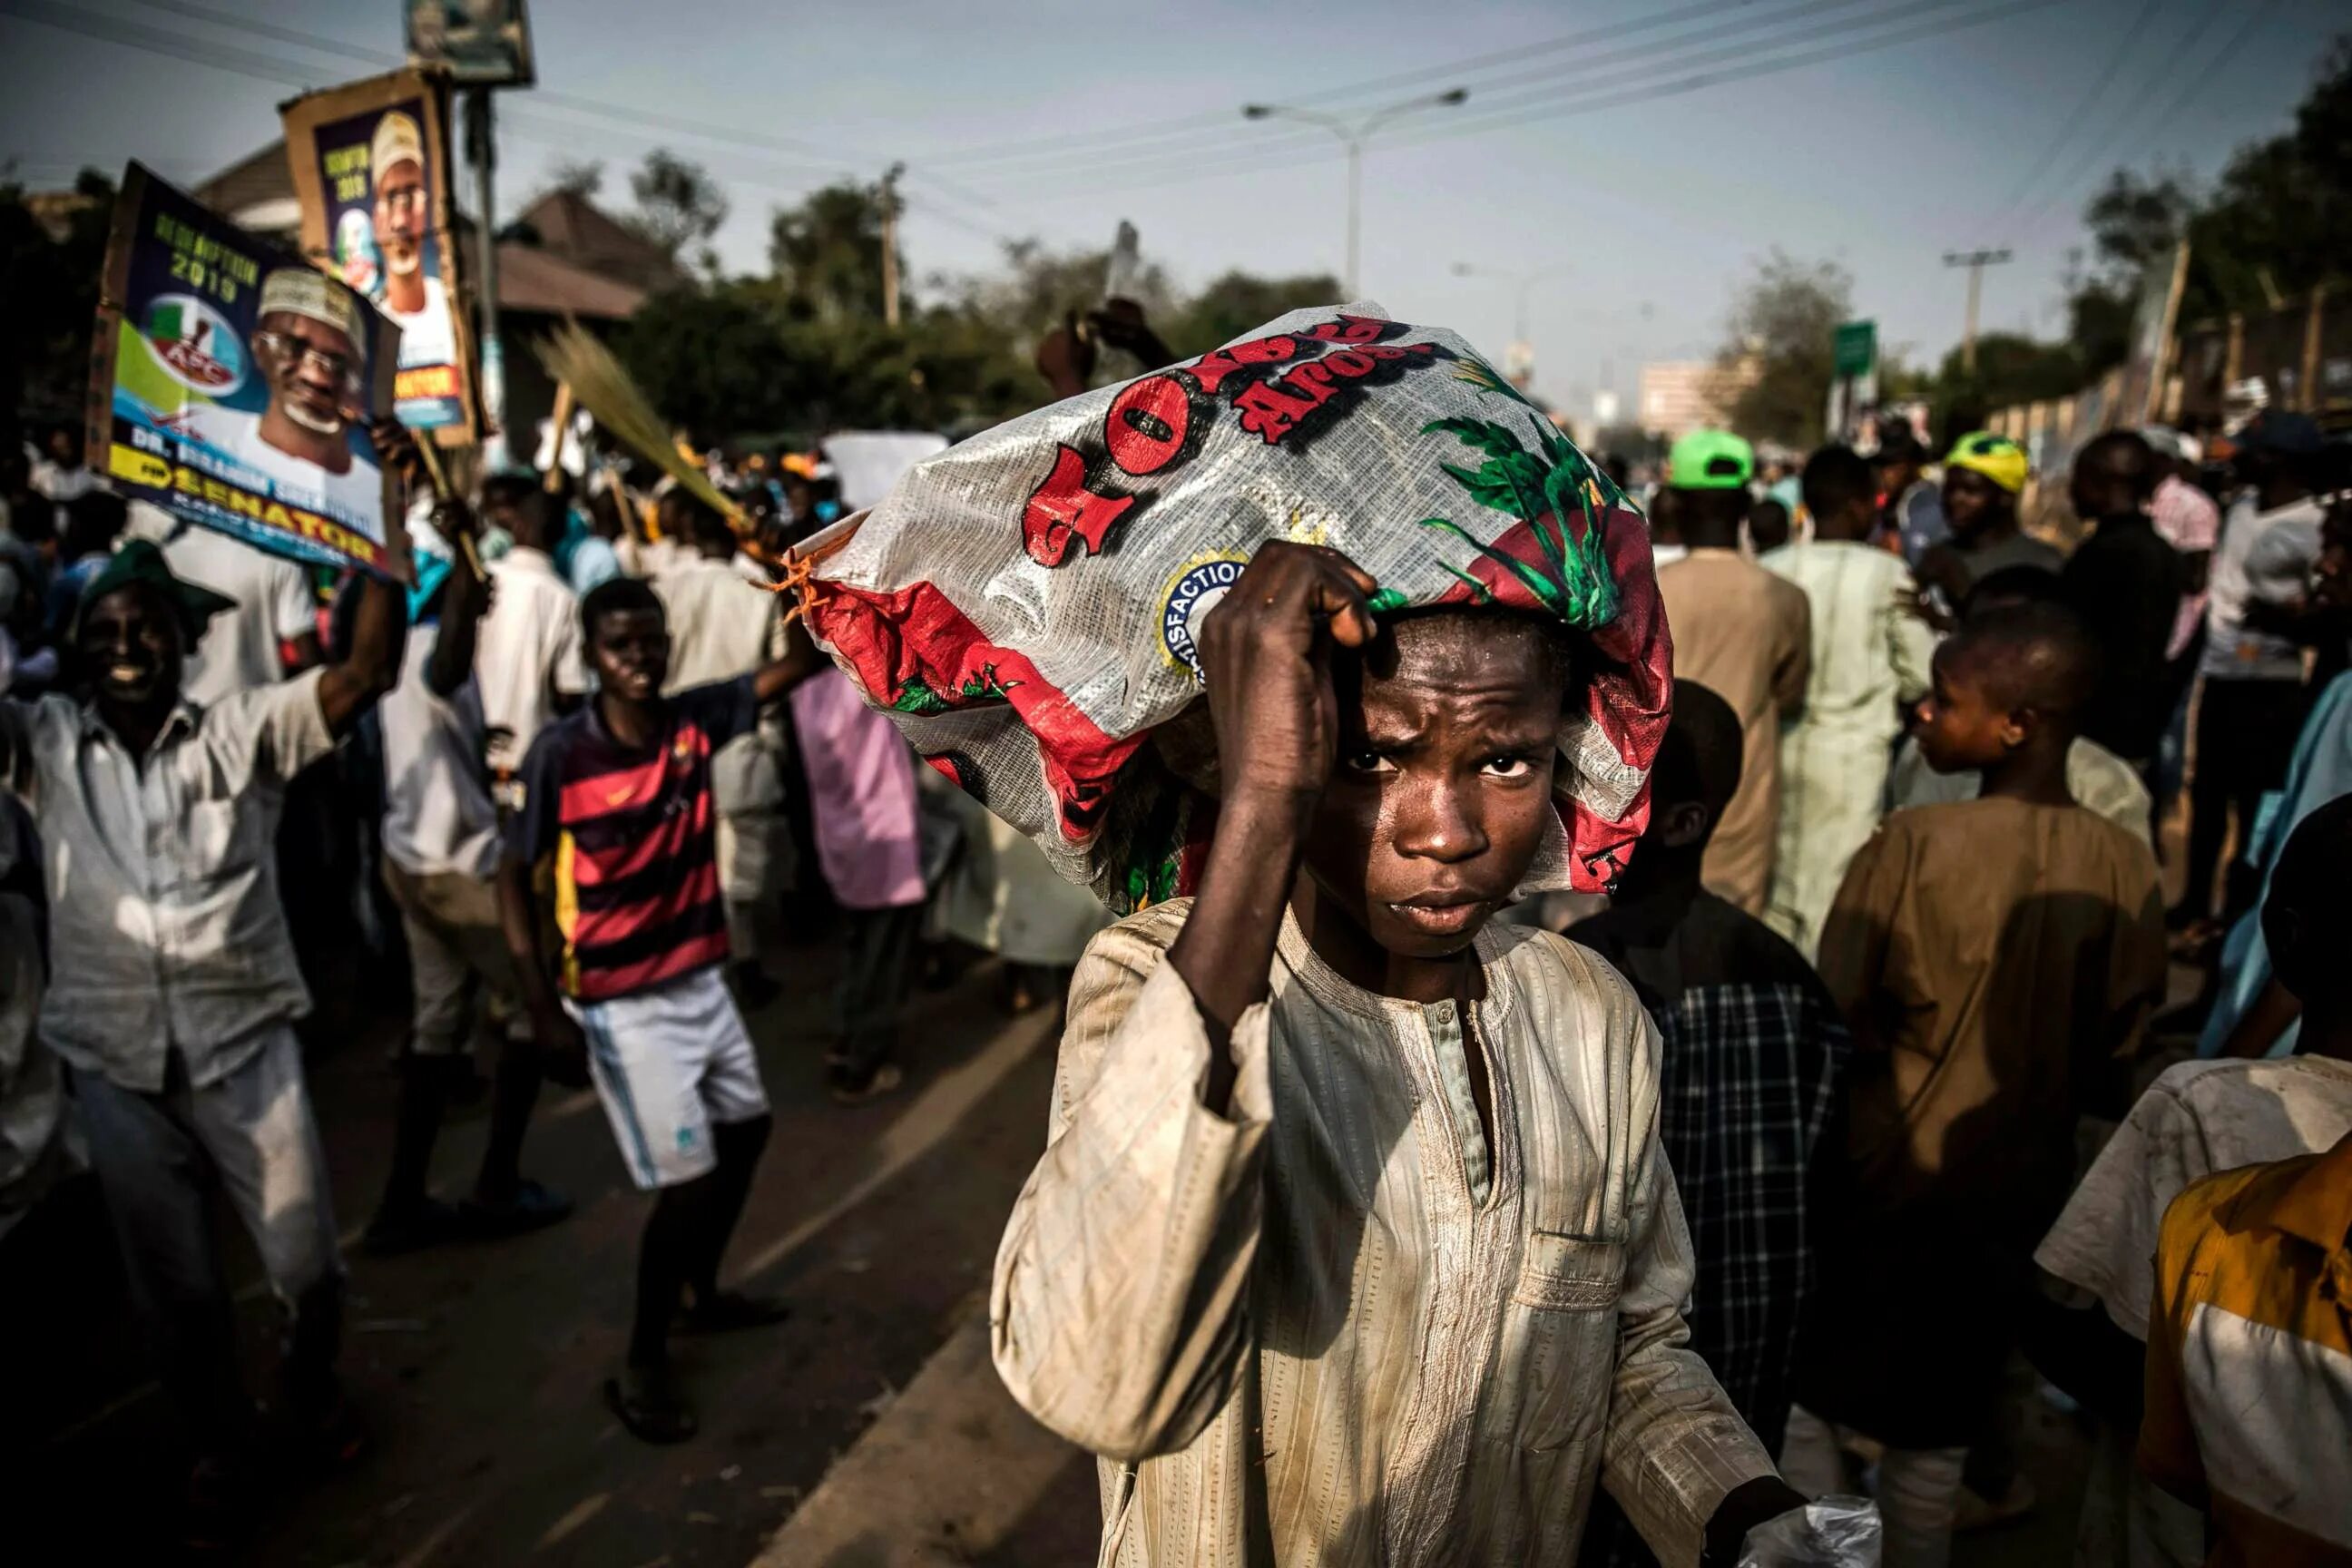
x: 1691, y: 156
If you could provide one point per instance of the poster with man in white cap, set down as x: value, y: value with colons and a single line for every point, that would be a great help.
x: 234, y: 386
x: 371, y: 166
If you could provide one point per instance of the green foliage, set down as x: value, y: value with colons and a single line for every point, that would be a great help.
x: 2274, y: 223
x: 1782, y: 324
x: 1233, y: 304
x: 827, y: 254
x: 678, y: 204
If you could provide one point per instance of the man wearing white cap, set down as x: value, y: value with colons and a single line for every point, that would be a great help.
x: 412, y: 296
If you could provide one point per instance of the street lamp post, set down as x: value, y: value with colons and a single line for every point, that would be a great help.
x: 1526, y: 283
x: 1353, y: 138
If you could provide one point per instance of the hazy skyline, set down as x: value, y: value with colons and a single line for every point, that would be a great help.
x: 1687, y: 158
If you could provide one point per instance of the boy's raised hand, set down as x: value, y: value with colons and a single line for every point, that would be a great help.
x: 1265, y: 653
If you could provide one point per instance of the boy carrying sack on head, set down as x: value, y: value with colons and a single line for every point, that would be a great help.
x: 1353, y: 1242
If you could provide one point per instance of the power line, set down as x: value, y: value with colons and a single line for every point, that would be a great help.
x: 1096, y: 140
x: 2198, y: 83
x: 563, y: 136
x: 549, y: 96
x: 1606, y: 66
x: 1234, y: 137
x: 1648, y: 91
x: 2126, y: 42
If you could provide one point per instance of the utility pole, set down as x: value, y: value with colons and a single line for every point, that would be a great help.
x: 1976, y: 261
x: 890, y: 246
x: 1353, y: 138
x: 481, y: 143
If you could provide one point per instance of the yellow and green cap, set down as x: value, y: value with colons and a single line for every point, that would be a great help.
x: 1710, y: 460
x: 1997, y: 457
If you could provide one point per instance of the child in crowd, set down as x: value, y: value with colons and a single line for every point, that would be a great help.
x: 1995, y: 959
x: 618, y: 795
x: 1753, y: 1053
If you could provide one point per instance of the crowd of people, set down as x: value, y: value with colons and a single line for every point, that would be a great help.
x: 1892, y: 941
x: 574, y: 782
x: 1901, y: 928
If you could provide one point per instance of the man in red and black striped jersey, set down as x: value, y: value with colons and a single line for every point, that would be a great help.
x: 618, y: 797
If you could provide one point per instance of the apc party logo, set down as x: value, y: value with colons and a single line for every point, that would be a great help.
x: 195, y: 344
x: 1191, y: 593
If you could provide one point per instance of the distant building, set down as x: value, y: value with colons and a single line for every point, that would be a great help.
x: 1682, y: 395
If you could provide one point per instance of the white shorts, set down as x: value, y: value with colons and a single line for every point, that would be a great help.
x: 668, y: 1063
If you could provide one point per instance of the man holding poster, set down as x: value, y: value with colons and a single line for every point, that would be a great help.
x: 371, y: 169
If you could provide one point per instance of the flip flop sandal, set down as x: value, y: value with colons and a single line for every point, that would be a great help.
x: 649, y: 1416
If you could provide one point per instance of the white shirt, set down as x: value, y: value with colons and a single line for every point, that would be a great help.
x: 425, y: 334
x: 2264, y: 557
x: 529, y: 649
x: 438, y: 816
x: 275, y: 603
x: 1331, y: 1325
x: 353, y: 497
x: 2200, y: 1117
x: 721, y: 625
x: 165, y: 928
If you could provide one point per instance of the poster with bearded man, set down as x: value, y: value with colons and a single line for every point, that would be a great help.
x: 233, y: 384
x: 371, y: 166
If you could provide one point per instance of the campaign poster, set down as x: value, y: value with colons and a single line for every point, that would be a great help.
x: 370, y: 165
x: 233, y: 384
x: 480, y: 43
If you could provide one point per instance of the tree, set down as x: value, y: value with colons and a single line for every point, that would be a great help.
x: 1783, y: 323
x: 678, y: 206
x: 50, y: 265
x: 2274, y: 223
x: 1233, y: 304
x: 581, y: 177
x: 828, y: 253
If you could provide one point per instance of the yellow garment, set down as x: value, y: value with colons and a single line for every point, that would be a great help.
x: 2249, y: 1390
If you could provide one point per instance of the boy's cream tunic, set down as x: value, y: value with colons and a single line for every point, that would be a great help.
x: 1311, y: 1333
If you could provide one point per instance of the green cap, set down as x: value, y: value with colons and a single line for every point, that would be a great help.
x: 1710, y: 460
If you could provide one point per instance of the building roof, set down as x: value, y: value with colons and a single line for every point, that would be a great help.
x: 533, y: 279
x: 256, y: 192
x: 569, y: 224
x: 563, y: 256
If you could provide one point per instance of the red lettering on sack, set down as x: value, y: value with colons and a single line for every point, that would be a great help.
x: 1212, y: 368
x: 1353, y: 329
x: 1350, y: 362
x: 1311, y: 384
x: 1063, y: 507
x: 1150, y: 424
x: 1269, y: 412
